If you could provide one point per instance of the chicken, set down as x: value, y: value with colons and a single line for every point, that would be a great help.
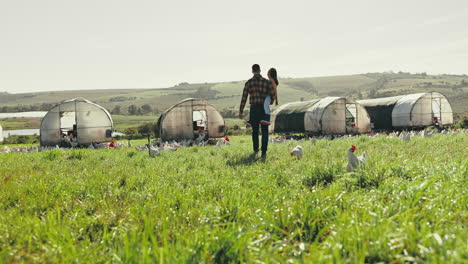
x: 405, y: 136
x: 5, y: 150
x: 297, y: 152
x: 119, y: 146
x: 200, y: 139
x: 168, y: 147
x: 392, y: 135
x: 227, y: 141
x: 100, y: 146
x: 276, y: 140
x: 187, y: 143
x: 154, y: 151
x: 353, y: 161
x: 424, y: 134
x: 32, y: 149
x: 142, y: 148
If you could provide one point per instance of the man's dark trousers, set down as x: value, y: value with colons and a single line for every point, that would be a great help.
x: 257, y: 113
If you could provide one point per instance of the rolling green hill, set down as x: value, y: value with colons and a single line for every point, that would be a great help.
x: 228, y: 94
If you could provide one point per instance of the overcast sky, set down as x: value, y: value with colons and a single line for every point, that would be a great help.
x: 64, y: 44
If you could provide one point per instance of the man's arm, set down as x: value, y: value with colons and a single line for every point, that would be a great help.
x: 245, y: 94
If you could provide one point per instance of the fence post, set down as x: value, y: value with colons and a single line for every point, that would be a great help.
x: 149, y: 146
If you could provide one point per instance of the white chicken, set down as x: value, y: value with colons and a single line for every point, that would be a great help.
x: 142, y: 148
x: 405, y: 136
x: 354, y: 161
x: 425, y: 134
x: 5, y: 150
x: 297, y: 152
x: 154, y: 151
x: 32, y: 149
x: 168, y: 147
x: 73, y: 144
x: 200, y: 139
x: 119, y: 146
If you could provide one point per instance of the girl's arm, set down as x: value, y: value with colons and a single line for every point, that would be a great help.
x: 275, y: 99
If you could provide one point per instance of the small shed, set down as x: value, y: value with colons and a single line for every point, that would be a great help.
x: 327, y: 116
x: 409, y: 111
x: 77, y: 120
x: 189, y: 119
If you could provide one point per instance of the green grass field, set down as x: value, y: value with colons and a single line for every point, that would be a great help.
x: 409, y: 204
x: 122, y: 122
x: 20, y: 123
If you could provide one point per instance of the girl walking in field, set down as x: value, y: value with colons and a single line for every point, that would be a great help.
x: 273, y: 77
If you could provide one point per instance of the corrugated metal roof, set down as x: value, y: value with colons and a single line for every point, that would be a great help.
x: 82, y: 100
x: 381, y: 101
x: 296, y: 107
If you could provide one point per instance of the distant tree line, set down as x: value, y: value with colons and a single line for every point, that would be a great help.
x: 20, y: 139
x: 132, y: 109
x: 117, y: 110
x: 456, y: 87
x: 26, y: 108
x: 122, y: 98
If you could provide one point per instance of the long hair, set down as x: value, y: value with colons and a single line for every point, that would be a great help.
x: 272, y: 72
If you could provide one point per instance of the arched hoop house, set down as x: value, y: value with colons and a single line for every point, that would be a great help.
x: 77, y: 120
x: 330, y: 115
x: 189, y: 119
x: 409, y: 111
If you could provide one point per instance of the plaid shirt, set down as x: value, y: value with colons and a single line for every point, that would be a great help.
x: 258, y: 88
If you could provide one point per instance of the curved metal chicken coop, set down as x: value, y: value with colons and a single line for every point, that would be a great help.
x: 189, y: 119
x: 330, y: 115
x: 77, y: 120
x: 409, y: 111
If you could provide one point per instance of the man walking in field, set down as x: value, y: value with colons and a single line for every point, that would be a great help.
x: 257, y: 88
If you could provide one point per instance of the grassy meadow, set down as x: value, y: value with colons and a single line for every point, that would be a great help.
x: 409, y: 204
x: 121, y: 122
x: 20, y: 123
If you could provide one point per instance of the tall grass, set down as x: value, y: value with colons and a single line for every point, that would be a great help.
x: 209, y: 205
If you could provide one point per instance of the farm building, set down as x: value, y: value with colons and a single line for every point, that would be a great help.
x: 409, y: 111
x: 189, y: 119
x: 330, y: 115
x: 77, y: 120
